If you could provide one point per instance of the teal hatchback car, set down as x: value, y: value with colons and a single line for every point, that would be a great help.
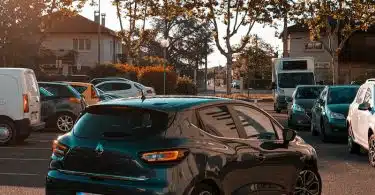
x: 165, y: 145
x: 330, y: 110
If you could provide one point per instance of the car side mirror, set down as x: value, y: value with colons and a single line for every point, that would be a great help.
x: 273, y: 85
x: 289, y: 135
x: 364, y: 106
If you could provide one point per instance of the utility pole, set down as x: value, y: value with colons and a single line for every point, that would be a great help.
x: 256, y: 58
x: 99, y: 35
x: 285, y: 33
x: 205, y: 64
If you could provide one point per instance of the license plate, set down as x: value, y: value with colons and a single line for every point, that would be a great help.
x: 86, y: 193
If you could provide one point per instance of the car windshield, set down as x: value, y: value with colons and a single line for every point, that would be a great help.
x: 80, y: 89
x: 44, y: 92
x: 121, y: 122
x: 308, y: 92
x: 291, y: 80
x: 341, y: 95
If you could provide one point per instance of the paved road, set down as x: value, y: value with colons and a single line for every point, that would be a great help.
x: 23, y: 168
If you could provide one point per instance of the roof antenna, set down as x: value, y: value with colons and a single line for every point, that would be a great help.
x: 143, y: 97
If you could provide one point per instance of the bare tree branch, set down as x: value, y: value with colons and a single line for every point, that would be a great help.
x: 244, y: 43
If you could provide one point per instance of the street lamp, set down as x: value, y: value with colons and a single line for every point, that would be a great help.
x: 165, y: 44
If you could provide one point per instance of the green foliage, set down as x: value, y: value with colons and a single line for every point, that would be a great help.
x: 185, y: 86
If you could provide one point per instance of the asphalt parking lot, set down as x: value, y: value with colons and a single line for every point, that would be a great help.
x: 23, y: 167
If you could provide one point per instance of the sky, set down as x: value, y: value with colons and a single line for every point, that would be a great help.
x: 214, y: 59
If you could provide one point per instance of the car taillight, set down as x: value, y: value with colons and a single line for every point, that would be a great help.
x: 75, y: 100
x: 26, y: 106
x: 149, y: 91
x: 164, y: 156
x: 58, y: 149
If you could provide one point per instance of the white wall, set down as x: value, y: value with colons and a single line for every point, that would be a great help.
x: 57, y: 41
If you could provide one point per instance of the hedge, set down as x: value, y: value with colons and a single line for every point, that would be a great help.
x: 185, y: 86
x: 153, y: 76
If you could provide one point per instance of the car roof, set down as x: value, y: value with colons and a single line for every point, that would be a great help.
x: 116, y: 81
x: 79, y: 83
x: 164, y: 103
x: 343, y: 86
x: 300, y: 86
x: 54, y: 83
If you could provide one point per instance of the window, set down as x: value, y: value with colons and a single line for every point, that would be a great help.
x: 61, y: 91
x: 359, y: 97
x: 323, y: 95
x: 367, y: 97
x: 31, y: 83
x: 81, y: 44
x: 80, y: 89
x: 217, y: 120
x: 255, y: 123
x: 120, y: 86
x: 314, y: 45
x: 105, y: 87
x: 341, y: 95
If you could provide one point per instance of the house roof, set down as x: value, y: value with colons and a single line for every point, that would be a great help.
x: 295, y: 28
x: 62, y: 23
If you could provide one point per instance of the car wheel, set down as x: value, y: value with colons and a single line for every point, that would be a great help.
x: 204, y: 189
x: 371, y: 150
x: 65, y: 122
x: 313, y: 130
x: 7, y: 132
x: 308, y: 182
x: 353, y: 147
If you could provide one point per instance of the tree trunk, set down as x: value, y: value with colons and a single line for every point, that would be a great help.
x: 205, y: 72
x: 229, y: 72
x: 335, y: 69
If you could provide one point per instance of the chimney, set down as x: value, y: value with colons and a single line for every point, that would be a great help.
x: 103, y: 19
x: 96, y: 17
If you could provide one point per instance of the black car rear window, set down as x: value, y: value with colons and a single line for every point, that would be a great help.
x: 308, y: 92
x: 101, y: 122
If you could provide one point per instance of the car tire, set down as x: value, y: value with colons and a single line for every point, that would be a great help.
x: 353, y: 147
x: 64, y: 122
x: 204, y: 189
x: 7, y: 132
x: 371, y: 150
x: 322, y: 133
x: 308, y: 182
x: 313, y: 130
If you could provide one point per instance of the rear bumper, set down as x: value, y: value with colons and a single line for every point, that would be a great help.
x: 61, y: 183
x: 337, y: 128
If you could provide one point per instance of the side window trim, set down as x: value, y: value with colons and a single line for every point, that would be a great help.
x: 205, y: 129
x: 272, y: 120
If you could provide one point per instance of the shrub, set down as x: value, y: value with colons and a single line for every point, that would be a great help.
x: 120, y: 70
x: 185, y: 86
x: 153, y: 76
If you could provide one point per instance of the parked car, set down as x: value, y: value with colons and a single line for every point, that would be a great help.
x: 303, y: 99
x: 360, y: 121
x: 103, y: 96
x: 61, y: 105
x: 88, y: 90
x: 19, y: 104
x: 181, y: 145
x: 124, y: 88
x: 96, y: 81
x: 330, y: 111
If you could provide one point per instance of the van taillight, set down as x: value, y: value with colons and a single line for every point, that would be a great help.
x: 25, y: 103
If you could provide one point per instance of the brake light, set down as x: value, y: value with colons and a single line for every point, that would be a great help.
x: 26, y: 106
x: 75, y: 100
x: 164, y: 156
x: 149, y: 91
x: 58, y: 149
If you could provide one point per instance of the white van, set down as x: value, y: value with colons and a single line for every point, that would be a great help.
x: 19, y: 104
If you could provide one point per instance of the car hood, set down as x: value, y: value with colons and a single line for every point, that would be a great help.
x: 305, y: 103
x: 339, y: 108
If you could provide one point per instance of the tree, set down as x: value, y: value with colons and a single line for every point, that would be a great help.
x: 338, y: 19
x: 22, y: 24
x: 190, y: 42
x: 133, y: 37
x: 235, y: 14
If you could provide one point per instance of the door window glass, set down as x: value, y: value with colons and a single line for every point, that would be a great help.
x: 120, y: 86
x: 367, y: 97
x: 105, y: 87
x: 255, y: 123
x: 217, y: 120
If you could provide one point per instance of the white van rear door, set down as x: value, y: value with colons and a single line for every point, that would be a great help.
x: 33, y: 96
